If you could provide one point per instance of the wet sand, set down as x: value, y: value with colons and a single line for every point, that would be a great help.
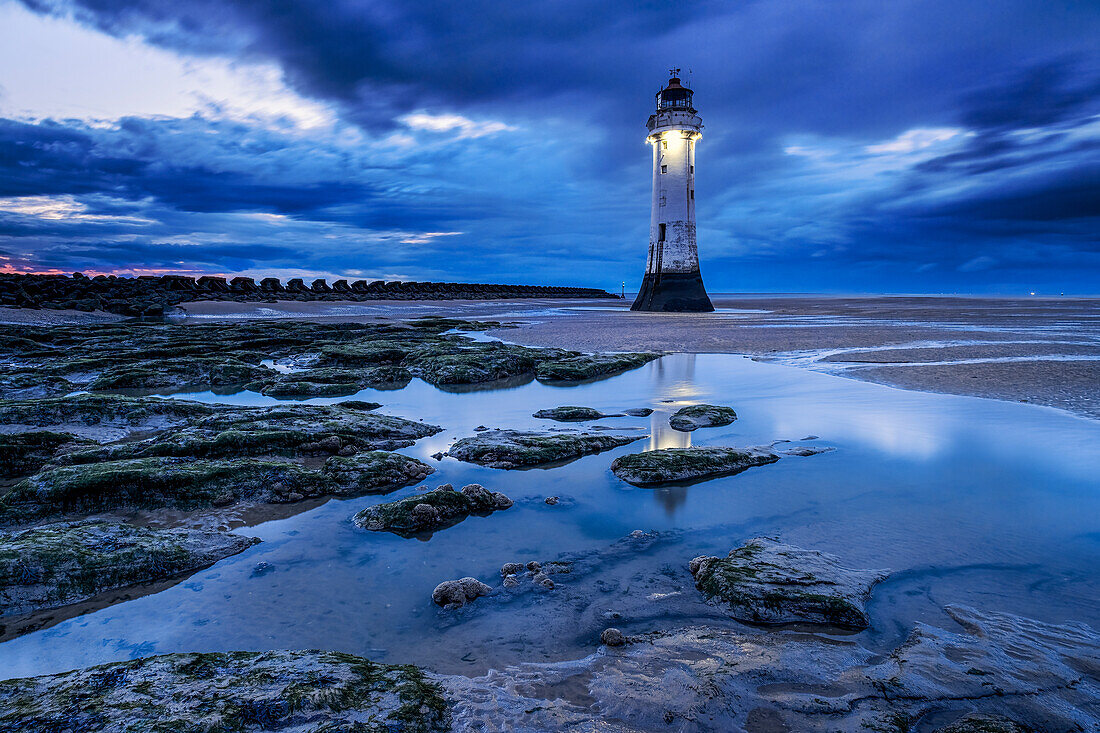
x: 1040, y: 350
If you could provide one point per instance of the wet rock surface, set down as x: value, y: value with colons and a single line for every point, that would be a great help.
x: 767, y: 582
x: 693, y: 417
x: 592, y: 366
x: 57, y: 564
x: 517, y: 449
x: 431, y: 511
x: 452, y: 594
x: 672, y: 465
x: 708, y: 678
x: 572, y: 413
x: 300, y: 691
x: 375, y: 472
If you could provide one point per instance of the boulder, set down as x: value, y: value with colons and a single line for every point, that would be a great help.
x: 515, y: 449
x: 457, y: 593
x: 767, y: 582
x: 694, y: 417
x: 591, y: 366
x: 431, y: 511
x: 671, y: 465
x: 571, y: 413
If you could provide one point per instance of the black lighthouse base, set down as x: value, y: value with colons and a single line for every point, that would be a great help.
x: 675, y: 292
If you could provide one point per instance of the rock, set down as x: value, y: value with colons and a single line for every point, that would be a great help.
x: 534, y: 566
x: 510, y: 581
x: 55, y: 565
x: 513, y: 448
x: 551, y: 500
x: 480, y: 428
x: 375, y: 472
x: 270, y: 691
x: 431, y: 511
x: 722, y: 679
x: 472, y: 363
x: 22, y: 453
x: 694, y: 417
x: 766, y: 582
x: 653, y: 468
x: 810, y: 437
x: 262, y: 568
x: 457, y: 593
x: 591, y: 366
x: 215, y: 371
x: 511, y: 568
x: 638, y: 412
x: 151, y: 483
x: 805, y: 450
x: 978, y: 723
x: 571, y: 413
x: 612, y: 637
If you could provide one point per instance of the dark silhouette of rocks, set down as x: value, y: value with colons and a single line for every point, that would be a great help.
x: 150, y: 295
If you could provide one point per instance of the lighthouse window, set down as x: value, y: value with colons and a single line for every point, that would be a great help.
x: 661, y: 233
x: 664, y: 144
x: 664, y: 169
x: 693, y: 170
x: 693, y: 194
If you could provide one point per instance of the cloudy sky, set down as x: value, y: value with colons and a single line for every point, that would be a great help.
x: 850, y: 146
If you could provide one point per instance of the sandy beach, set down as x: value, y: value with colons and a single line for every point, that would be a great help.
x: 1043, y: 351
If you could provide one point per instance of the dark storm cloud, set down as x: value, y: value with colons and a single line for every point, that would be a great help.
x: 1019, y: 79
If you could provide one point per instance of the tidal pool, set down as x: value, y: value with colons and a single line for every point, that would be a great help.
x: 990, y: 504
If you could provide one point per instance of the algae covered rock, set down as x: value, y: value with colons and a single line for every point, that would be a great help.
x: 475, y: 364
x: 452, y: 594
x: 978, y: 723
x: 694, y: 417
x: 572, y: 413
x: 22, y: 453
x: 591, y: 366
x: 109, y: 416
x: 767, y: 582
x: 375, y: 472
x: 180, y: 483
x: 57, y: 564
x: 178, y: 372
x: 299, y: 691
x: 516, y: 449
x: 670, y: 465
x: 433, y: 510
x: 334, y: 382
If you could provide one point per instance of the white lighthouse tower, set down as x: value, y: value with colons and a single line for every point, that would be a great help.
x: 672, y: 279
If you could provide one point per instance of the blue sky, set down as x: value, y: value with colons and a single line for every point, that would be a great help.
x: 849, y: 146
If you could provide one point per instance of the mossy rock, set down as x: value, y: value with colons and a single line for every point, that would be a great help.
x: 366, y: 353
x: 299, y: 691
x: 332, y: 382
x: 431, y: 511
x: 767, y: 582
x: 89, y: 409
x: 375, y: 472
x: 694, y: 417
x: 58, y: 564
x: 675, y: 465
x: 178, y: 372
x: 22, y: 453
x: 591, y: 366
x: 517, y: 449
x: 181, y: 483
x: 471, y: 364
x: 32, y: 384
x: 979, y: 723
x: 572, y: 413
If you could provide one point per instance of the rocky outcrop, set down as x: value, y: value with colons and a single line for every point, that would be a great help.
x: 180, y: 372
x: 23, y: 453
x: 375, y: 472
x: 58, y: 564
x: 517, y: 449
x: 451, y: 594
x: 592, y: 366
x: 291, y: 691
x: 671, y: 465
x: 431, y: 511
x: 153, y: 296
x: 767, y: 582
x: 694, y: 417
x: 1043, y: 676
x: 572, y: 413
x: 334, y: 382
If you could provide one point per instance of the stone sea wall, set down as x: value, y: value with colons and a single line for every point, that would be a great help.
x: 150, y: 295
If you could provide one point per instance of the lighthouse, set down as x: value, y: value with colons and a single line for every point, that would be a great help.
x: 672, y: 280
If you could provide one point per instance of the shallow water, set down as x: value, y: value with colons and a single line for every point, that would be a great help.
x: 991, y: 504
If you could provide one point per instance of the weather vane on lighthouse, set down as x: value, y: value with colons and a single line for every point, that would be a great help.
x: 672, y: 280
